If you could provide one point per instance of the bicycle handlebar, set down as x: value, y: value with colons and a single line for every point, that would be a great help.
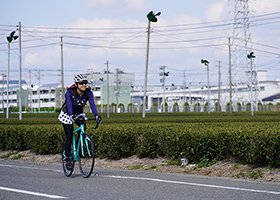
x: 83, y: 115
x: 97, y: 124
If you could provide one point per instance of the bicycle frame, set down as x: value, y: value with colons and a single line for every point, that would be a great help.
x: 82, y: 149
x: 81, y: 143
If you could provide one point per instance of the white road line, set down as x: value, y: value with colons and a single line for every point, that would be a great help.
x: 160, y: 180
x: 33, y: 193
x: 24, y: 167
x: 193, y: 184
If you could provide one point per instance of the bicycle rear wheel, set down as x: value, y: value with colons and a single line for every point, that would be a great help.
x: 65, y: 170
x: 86, y: 156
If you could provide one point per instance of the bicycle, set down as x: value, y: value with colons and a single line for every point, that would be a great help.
x: 82, y: 149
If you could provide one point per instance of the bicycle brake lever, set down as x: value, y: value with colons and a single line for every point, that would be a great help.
x: 96, y: 126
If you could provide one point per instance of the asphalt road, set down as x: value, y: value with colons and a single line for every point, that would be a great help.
x: 25, y: 180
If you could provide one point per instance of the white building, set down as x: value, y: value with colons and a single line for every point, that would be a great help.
x: 12, y: 97
x: 266, y: 92
x: 48, y: 96
x: 122, y: 92
x: 117, y: 86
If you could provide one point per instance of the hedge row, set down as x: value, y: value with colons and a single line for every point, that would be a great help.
x: 41, y: 139
x: 120, y: 118
x: 252, y: 143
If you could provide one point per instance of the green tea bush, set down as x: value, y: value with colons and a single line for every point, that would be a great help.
x: 148, y: 141
x: 115, y: 142
x: 200, y: 138
x: 47, y: 139
x: 41, y: 139
x: 14, y: 138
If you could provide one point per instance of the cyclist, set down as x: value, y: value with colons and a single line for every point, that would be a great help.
x: 76, y: 98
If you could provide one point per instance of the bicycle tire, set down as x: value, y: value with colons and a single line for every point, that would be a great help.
x: 86, y: 156
x: 67, y: 172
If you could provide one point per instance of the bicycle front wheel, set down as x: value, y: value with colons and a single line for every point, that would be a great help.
x: 86, y: 156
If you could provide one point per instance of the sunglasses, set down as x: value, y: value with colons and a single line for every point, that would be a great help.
x: 83, y: 83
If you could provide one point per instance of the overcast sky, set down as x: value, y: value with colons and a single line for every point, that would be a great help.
x: 95, y: 31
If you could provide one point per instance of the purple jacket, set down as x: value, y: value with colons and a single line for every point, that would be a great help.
x: 75, y: 103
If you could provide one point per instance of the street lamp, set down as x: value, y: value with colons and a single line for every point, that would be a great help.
x: 251, y: 56
x: 10, y: 38
x: 151, y: 18
x: 206, y: 63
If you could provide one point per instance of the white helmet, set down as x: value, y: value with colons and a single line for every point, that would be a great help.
x: 80, y: 77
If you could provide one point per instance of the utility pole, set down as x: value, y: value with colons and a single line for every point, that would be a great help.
x: 108, y: 100
x: 184, y: 86
x: 230, y: 77
x: 20, y: 74
x: 131, y: 103
x: 3, y: 76
x: 102, y: 93
x: 62, y: 71
x: 117, y: 89
x: 219, y: 85
x: 163, y: 74
x: 8, y: 81
x: 151, y: 18
x: 251, y: 88
x: 251, y: 56
x: 206, y: 63
x: 31, y: 98
x: 146, y: 71
x: 29, y: 89
x: 208, y: 87
x: 11, y: 38
x: 163, y: 106
x: 39, y: 89
x: 190, y: 97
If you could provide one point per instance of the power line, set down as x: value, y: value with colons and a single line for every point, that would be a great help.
x: 201, y: 25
